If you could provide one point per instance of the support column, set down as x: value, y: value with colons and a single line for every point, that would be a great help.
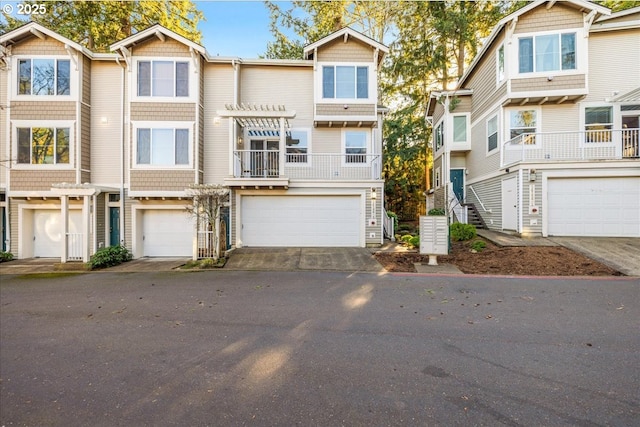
x: 64, y: 214
x: 86, y: 229
x: 283, y: 147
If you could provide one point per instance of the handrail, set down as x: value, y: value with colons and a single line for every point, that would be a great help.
x: 479, y: 201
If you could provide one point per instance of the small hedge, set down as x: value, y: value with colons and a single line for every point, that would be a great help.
x: 6, y: 256
x: 436, y: 212
x: 110, y: 256
x: 460, y: 232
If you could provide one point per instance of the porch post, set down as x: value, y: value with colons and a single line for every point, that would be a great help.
x: 86, y: 221
x: 64, y: 214
x: 283, y: 147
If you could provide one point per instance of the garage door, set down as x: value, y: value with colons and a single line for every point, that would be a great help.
x: 301, y: 221
x: 167, y: 233
x: 594, y: 207
x: 47, y: 232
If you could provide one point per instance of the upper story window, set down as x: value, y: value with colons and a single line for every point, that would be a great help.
x: 523, y: 124
x: 492, y: 134
x: 43, y: 145
x: 355, y: 146
x: 438, y: 136
x: 345, y: 82
x: 297, y: 146
x: 44, y: 77
x: 460, y: 126
x: 163, y: 79
x: 548, y: 52
x: 162, y: 147
x: 500, y: 63
x: 598, y: 123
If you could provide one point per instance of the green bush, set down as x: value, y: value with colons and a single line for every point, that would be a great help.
x: 478, y: 245
x: 5, y: 256
x: 459, y: 231
x: 436, y: 211
x: 415, y: 241
x: 406, y: 238
x: 110, y: 256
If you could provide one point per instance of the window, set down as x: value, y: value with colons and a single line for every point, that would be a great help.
x: 163, y: 78
x: 549, y: 52
x: 297, y: 146
x: 500, y: 64
x: 522, y: 125
x: 437, y: 178
x: 355, y: 146
x: 162, y: 147
x: 438, y: 136
x: 43, y: 145
x: 345, y: 82
x: 598, y: 123
x: 44, y: 77
x: 460, y: 128
x: 492, y: 133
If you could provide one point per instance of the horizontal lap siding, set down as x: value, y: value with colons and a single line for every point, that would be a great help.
x: 560, y: 118
x: 559, y: 17
x: 4, y: 75
x: 339, y: 51
x: 490, y: 193
x: 156, y: 180
x: 478, y: 162
x: 39, y: 180
x: 85, y: 125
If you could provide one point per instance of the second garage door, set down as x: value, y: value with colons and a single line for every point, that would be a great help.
x: 301, y: 221
x: 608, y: 207
x: 167, y: 233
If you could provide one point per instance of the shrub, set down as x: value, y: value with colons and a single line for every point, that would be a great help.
x: 436, y: 211
x: 478, y: 245
x: 415, y: 241
x: 5, y: 256
x: 459, y: 231
x: 110, y: 256
x: 406, y: 238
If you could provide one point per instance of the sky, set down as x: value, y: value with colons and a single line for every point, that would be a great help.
x: 232, y: 28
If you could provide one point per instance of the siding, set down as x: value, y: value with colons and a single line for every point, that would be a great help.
x: 156, y: 180
x: 4, y: 143
x: 352, y: 51
x: 84, y: 141
x: 156, y: 47
x: 101, y: 221
x: 41, y: 180
x: 35, y: 46
x: 477, y: 160
x: 490, y: 193
x: 339, y: 110
x: 577, y: 81
x: 218, y: 91
x: 200, y: 124
x: 559, y: 17
x: 43, y: 110
x: 483, y: 82
x: 163, y: 111
x: 560, y: 118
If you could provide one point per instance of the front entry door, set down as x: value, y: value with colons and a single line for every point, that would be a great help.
x: 264, y: 158
x: 114, y: 226
x: 510, y: 204
x: 457, y: 182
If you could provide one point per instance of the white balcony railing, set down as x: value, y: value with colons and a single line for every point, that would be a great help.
x: 255, y: 164
x: 607, y: 144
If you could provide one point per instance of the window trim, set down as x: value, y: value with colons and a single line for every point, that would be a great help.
x: 74, y: 79
x: 501, y: 75
x: 495, y: 116
x: 343, y: 151
x: 309, y: 158
x: 507, y: 123
x: 70, y: 124
x: 436, y: 178
x: 439, y: 125
x: 372, y: 92
x: 580, y: 53
x: 467, y: 117
x: 192, y: 84
x: 616, y: 118
x: 161, y: 125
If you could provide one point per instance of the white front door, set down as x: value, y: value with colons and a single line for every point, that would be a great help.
x: 510, y: 204
x: 167, y: 233
x: 47, y: 231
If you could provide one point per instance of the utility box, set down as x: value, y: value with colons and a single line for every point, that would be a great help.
x: 434, y: 236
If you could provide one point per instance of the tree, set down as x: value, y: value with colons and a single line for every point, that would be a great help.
x: 98, y: 24
x: 208, y: 199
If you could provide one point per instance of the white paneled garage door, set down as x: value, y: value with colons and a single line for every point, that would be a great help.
x: 47, y: 231
x: 303, y: 221
x: 167, y: 233
x: 594, y: 207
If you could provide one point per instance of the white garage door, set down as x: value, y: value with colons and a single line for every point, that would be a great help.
x: 594, y: 207
x: 167, y: 233
x: 303, y: 221
x: 47, y: 232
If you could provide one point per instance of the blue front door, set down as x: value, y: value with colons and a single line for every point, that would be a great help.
x: 457, y: 182
x: 114, y: 226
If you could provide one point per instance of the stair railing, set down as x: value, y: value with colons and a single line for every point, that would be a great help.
x: 479, y: 201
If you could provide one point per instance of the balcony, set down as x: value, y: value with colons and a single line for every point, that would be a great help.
x: 606, y: 144
x: 264, y: 168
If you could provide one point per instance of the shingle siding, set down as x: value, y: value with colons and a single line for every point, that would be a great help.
x: 35, y: 46
x: 559, y: 17
x: 143, y: 111
x: 338, y: 110
x: 30, y: 180
x: 43, y: 110
x: 165, y: 180
x: 339, y: 51
x: 539, y: 84
x: 157, y: 48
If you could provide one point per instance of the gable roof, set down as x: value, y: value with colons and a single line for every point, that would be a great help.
x: 578, y: 4
x: 160, y: 32
x: 33, y: 29
x: 346, y: 32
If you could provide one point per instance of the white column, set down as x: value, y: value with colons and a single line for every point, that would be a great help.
x: 64, y: 214
x: 86, y: 230
x: 283, y: 147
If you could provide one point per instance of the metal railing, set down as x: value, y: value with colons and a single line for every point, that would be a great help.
x: 74, y: 246
x: 254, y: 164
x: 602, y: 144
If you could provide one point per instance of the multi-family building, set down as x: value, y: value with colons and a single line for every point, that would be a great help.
x: 540, y: 135
x: 102, y: 149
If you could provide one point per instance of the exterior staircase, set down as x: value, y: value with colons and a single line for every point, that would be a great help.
x: 473, y: 216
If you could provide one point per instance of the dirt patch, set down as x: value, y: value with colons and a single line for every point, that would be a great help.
x: 517, y: 261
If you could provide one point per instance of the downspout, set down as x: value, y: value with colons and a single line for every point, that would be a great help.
x: 7, y: 204
x: 122, y: 131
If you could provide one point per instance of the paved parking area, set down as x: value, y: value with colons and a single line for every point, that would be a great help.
x: 620, y: 253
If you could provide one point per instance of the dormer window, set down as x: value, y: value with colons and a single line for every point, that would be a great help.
x: 44, y: 77
x: 345, y: 82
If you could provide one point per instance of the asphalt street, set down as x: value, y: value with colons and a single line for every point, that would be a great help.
x: 220, y: 348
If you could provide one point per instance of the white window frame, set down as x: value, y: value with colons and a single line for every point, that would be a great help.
x: 74, y: 79
x: 372, y: 91
x: 440, y: 125
x: 616, y: 118
x: 308, y: 162
x: 501, y: 71
x: 495, y: 116
x: 161, y: 125
x: 436, y: 178
x: 344, y: 148
x: 507, y: 123
x: 192, y: 84
x: 70, y: 124
x: 581, y: 54
x: 467, y: 117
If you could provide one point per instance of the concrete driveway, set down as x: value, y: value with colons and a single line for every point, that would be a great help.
x: 283, y: 259
x: 620, y: 253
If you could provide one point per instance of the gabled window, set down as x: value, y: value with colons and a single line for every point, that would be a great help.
x: 438, y: 136
x: 492, y: 133
x: 163, y: 78
x: 345, y: 82
x: 548, y: 52
x: 523, y: 125
x: 355, y: 146
x: 598, y: 123
x: 43, y: 145
x: 44, y: 77
x: 297, y: 146
x: 162, y: 147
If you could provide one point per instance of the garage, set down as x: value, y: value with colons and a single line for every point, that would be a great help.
x: 302, y: 221
x: 167, y: 233
x: 607, y: 207
x: 47, y: 233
